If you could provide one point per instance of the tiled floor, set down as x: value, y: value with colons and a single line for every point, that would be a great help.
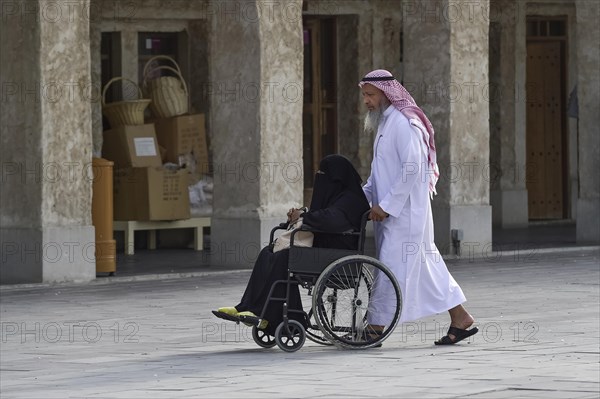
x: 538, y: 338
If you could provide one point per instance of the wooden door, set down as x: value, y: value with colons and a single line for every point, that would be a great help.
x: 545, y: 130
x: 319, y: 127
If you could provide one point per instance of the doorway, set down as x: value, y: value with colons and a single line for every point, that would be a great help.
x: 546, y: 138
x: 319, y: 116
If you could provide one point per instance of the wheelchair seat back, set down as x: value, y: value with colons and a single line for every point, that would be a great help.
x: 312, y: 260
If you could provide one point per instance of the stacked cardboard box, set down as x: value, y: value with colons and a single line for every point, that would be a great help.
x: 143, y: 188
x: 151, y: 193
x: 131, y: 146
x: 182, y: 135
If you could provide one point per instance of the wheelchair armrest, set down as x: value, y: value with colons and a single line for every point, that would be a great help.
x: 281, y: 226
x: 305, y: 227
x: 310, y: 229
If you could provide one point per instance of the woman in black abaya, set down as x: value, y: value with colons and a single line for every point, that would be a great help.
x: 337, y: 205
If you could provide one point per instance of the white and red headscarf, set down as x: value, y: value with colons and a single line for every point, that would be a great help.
x: 403, y: 102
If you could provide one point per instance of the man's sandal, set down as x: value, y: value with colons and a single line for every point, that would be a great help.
x: 459, y: 335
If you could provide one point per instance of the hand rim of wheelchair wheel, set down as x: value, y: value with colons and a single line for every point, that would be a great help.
x: 337, y: 271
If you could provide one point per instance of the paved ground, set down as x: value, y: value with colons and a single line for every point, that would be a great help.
x: 538, y: 314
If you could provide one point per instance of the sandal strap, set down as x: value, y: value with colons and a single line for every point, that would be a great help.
x: 457, y: 332
x: 445, y: 340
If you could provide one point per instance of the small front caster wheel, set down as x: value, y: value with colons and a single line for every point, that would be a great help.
x: 262, y: 338
x: 292, y: 338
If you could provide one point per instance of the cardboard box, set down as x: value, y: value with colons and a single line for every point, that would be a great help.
x: 131, y: 146
x: 152, y: 193
x: 182, y: 135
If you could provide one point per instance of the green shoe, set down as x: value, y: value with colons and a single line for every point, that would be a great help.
x: 230, y: 311
x: 247, y: 313
x: 261, y: 326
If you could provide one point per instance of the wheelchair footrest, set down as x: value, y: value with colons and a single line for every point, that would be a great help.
x: 247, y: 320
x: 225, y: 316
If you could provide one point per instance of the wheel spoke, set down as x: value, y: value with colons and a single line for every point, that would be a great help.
x: 343, y: 299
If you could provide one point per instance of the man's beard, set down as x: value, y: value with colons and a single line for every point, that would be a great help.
x: 372, y: 120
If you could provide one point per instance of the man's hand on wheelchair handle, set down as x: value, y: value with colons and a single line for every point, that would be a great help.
x: 378, y: 214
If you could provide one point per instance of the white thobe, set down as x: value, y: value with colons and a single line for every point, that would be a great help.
x: 399, y: 183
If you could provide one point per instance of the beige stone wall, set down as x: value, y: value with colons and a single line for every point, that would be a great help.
x: 348, y: 103
x: 446, y: 70
x: 469, y: 130
x: 588, y: 60
x: 588, y: 86
x: 506, y: 96
x: 66, y: 131
x: 46, y: 143
x: 255, y: 69
x: 20, y: 121
x: 45, y: 55
x: 235, y: 116
x: 426, y: 74
x: 281, y: 102
x: 95, y: 73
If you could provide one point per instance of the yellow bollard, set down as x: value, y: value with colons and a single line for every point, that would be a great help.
x: 102, y: 215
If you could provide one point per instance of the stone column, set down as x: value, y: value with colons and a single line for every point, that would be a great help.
x: 46, y: 149
x: 508, y: 195
x: 255, y: 89
x: 349, y: 112
x: 129, y: 58
x: 365, y: 65
x: 588, y: 92
x: 446, y: 68
x: 96, y: 76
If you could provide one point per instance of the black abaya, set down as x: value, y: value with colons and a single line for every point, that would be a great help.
x: 337, y: 206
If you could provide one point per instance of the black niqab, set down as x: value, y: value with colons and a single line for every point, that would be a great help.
x: 337, y: 182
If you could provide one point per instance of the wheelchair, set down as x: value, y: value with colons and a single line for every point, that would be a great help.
x: 341, y: 283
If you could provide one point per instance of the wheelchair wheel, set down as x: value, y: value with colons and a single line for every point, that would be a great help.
x: 262, y: 338
x: 292, y: 338
x: 344, y: 296
x: 313, y: 332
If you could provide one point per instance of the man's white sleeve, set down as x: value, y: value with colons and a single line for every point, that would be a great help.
x: 368, y: 189
x: 410, y: 152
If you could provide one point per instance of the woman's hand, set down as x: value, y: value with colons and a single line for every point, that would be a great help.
x: 293, y: 214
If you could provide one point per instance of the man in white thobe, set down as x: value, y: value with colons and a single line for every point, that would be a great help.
x: 402, y: 181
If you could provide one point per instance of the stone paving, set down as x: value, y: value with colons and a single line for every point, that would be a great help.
x: 538, y: 315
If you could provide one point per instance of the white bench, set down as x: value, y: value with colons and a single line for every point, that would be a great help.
x: 130, y: 226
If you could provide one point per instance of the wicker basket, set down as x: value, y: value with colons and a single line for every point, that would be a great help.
x: 169, y: 94
x: 127, y: 112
